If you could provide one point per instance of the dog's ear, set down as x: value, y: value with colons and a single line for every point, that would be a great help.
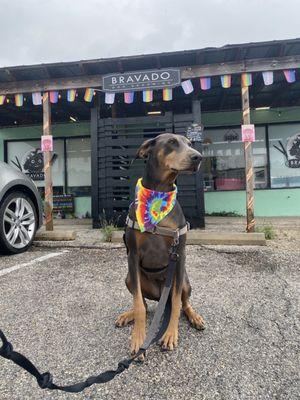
x: 145, y: 148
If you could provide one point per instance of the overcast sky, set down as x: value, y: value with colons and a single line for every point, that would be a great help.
x: 40, y: 31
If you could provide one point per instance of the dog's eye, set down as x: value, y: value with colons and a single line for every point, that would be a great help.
x: 173, y: 141
x: 189, y: 144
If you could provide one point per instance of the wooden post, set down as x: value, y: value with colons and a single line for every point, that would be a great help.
x: 249, y: 173
x: 47, y: 164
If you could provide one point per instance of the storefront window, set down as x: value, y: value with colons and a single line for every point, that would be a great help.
x: 224, y: 163
x: 79, y: 166
x: 27, y: 157
x: 284, y: 142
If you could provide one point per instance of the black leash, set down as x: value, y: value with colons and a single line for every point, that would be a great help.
x: 45, y: 380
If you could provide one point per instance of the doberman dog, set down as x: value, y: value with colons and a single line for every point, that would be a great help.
x: 148, y: 254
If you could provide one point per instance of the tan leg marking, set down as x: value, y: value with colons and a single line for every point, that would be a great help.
x: 139, y: 314
x: 170, y: 337
x: 194, y: 318
x: 125, y: 318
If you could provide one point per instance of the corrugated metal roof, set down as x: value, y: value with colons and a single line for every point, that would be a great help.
x: 208, y: 55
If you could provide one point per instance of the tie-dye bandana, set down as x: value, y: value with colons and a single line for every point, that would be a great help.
x: 152, y: 206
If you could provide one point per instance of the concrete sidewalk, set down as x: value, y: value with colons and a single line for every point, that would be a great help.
x: 287, y: 230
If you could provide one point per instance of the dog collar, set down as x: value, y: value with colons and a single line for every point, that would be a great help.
x: 152, y: 206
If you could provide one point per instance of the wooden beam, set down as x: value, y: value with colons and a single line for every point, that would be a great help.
x: 237, y: 67
x: 95, y: 81
x: 249, y: 172
x: 47, y: 164
x: 45, y: 85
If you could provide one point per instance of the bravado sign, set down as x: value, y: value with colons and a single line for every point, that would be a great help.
x: 141, y: 80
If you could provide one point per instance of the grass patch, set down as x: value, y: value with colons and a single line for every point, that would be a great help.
x: 108, y: 227
x: 268, y: 230
x: 224, y: 214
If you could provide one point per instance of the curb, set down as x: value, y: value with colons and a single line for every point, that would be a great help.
x: 198, y: 237
x: 55, y: 236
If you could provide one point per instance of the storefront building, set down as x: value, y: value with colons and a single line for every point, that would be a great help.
x: 275, y: 111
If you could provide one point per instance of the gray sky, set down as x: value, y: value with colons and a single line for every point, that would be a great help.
x: 37, y: 31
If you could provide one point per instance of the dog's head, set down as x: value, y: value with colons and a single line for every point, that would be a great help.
x: 171, y: 152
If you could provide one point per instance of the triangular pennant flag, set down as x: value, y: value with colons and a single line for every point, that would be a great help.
x: 71, y: 94
x: 290, y: 75
x: 246, y: 79
x: 187, y: 86
x: 147, y: 95
x: 109, y: 98
x: 2, y: 99
x: 268, y: 77
x: 226, y: 81
x: 37, y: 98
x: 167, y: 94
x: 19, y: 100
x: 205, y: 83
x: 128, y: 97
x: 88, y: 95
x: 53, y: 96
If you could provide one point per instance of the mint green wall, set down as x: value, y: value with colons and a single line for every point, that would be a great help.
x: 267, y: 203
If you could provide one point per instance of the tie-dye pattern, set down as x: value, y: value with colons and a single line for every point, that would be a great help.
x: 151, y: 206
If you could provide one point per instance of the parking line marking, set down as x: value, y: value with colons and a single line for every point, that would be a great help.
x: 32, y: 262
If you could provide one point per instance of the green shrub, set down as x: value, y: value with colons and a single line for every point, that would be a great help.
x: 108, y: 226
x: 223, y: 214
x: 268, y: 230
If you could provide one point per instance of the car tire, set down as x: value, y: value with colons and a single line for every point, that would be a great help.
x: 18, y: 223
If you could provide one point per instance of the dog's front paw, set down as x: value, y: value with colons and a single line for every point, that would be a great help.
x: 170, y: 339
x: 137, y: 339
x: 125, y: 319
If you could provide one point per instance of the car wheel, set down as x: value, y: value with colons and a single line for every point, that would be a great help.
x: 18, y: 223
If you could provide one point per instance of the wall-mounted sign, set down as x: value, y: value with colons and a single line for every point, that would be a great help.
x: 141, y: 80
x: 33, y: 164
x: 291, y: 152
x: 248, y: 133
x: 47, y: 143
x: 194, y: 132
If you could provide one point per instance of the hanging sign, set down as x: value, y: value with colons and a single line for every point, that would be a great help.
x: 47, y: 143
x: 194, y: 132
x: 141, y: 80
x: 248, y: 133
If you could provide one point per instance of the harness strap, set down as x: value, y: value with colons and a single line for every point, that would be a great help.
x: 160, y: 230
x: 45, y: 380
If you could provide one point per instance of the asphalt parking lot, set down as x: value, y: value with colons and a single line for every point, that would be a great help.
x: 58, y: 307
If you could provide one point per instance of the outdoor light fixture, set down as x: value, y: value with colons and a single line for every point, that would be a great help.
x: 154, y: 112
x: 262, y: 108
x: 73, y: 118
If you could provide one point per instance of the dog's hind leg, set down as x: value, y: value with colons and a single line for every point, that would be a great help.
x: 193, y: 317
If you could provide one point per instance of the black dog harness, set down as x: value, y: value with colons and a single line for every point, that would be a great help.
x: 160, y: 230
x: 155, y: 333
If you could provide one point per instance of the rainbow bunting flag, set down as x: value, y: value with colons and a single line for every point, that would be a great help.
x: 2, y: 99
x: 187, y: 86
x: 268, y: 77
x: 246, y: 79
x: 226, y: 81
x: 53, y: 96
x: 37, y: 98
x: 19, y: 100
x: 128, y: 97
x: 88, y: 95
x: 71, y: 94
x: 167, y: 94
x: 109, y: 98
x: 205, y: 83
x: 290, y: 75
x: 147, y: 95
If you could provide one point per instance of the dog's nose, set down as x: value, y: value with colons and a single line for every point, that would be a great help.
x: 196, y: 157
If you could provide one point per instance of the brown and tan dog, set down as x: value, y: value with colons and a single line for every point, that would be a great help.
x: 148, y: 255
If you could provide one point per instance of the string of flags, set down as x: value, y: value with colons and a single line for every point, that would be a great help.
x: 187, y: 86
